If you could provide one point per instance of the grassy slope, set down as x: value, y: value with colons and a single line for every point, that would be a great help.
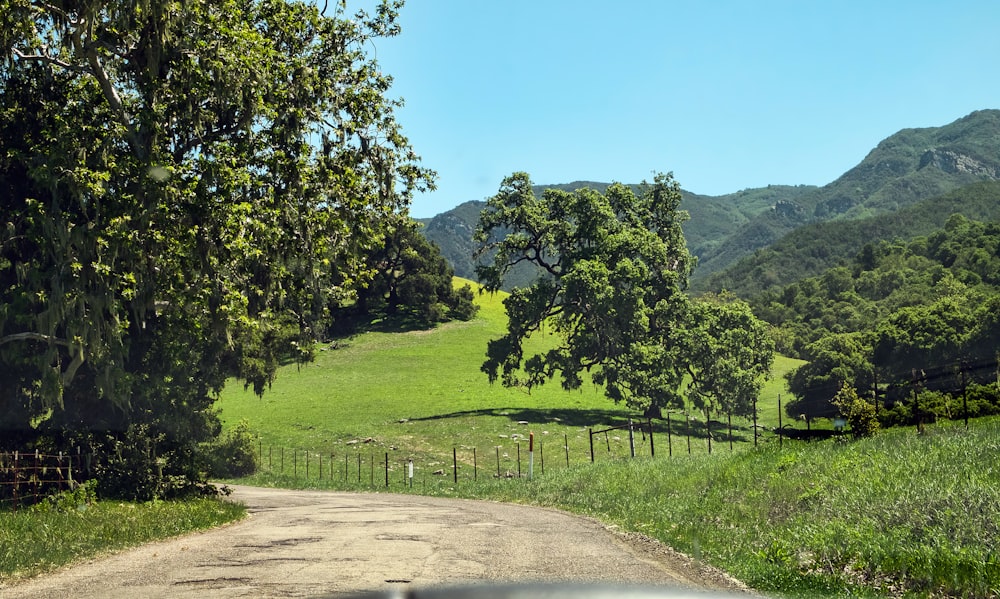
x: 429, y: 378
x: 900, y: 511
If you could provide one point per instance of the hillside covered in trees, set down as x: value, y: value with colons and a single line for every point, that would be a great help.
x: 811, y: 249
x: 732, y: 234
x: 885, y: 279
x: 906, y: 320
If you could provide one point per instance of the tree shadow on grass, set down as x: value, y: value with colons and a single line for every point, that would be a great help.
x: 565, y: 416
x: 600, y: 420
x: 681, y: 426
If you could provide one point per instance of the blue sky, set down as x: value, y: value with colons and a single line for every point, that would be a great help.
x: 726, y: 94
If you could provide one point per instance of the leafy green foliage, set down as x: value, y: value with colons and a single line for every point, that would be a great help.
x: 411, y: 279
x: 713, y: 218
x: 729, y: 353
x: 233, y: 454
x: 187, y: 187
x: 860, y: 414
x: 614, y: 267
x: 835, y: 360
x: 929, y: 305
x: 77, y: 499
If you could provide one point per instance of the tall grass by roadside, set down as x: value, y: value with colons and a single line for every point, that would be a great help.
x: 33, y: 541
x: 898, y: 513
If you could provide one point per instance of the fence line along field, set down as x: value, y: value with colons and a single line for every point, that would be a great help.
x: 421, y: 393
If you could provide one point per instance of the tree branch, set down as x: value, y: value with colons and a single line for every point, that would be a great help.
x: 107, y: 87
x: 46, y: 59
x: 55, y: 10
x: 74, y: 365
x: 33, y: 336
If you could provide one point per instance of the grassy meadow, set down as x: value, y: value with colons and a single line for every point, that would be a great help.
x: 421, y: 394
x: 899, y: 514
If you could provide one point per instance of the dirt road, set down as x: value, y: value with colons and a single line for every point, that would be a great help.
x: 310, y: 543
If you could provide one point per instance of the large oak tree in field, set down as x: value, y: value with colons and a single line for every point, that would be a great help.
x: 184, y: 186
x: 613, y: 292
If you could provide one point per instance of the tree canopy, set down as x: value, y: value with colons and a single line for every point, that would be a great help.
x: 185, y: 186
x: 615, y: 270
x: 925, y: 306
x: 411, y: 281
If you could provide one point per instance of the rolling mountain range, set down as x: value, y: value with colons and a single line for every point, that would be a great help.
x: 745, y: 241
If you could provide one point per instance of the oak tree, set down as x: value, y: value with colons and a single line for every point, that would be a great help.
x: 184, y: 188
x: 613, y: 293
x: 411, y: 280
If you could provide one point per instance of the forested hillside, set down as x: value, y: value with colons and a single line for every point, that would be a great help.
x: 901, y: 317
x: 741, y: 235
x: 905, y: 168
x: 811, y: 249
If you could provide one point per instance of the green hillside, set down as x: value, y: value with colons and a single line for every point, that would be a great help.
x: 897, y: 513
x: 713, y: 219
x: 363, y: 387
x: 905, y: 168
x: 416, y: 394
x: 811, y: 249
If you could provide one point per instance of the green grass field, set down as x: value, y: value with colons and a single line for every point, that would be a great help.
x: 898, y: 514
x: 421, y: 394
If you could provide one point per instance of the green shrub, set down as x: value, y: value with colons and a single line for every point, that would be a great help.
x: 983, y: 400
x: 77, y: 499
x: 860, y: 414
x: 232, y: 455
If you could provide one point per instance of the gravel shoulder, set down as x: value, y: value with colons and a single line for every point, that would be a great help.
x: 316, y: 543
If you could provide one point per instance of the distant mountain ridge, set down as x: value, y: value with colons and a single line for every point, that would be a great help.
x: 713, y: 218
x: 813, y: 248
x: 907, y: 167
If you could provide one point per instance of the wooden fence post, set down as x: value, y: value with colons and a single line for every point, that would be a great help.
x: 781, y: 437
x: 708, y: 429
x: 688, y: 417
x: 631, y: 439
x: 729, y: 419
x: 591, y: 445
x: 652, y: 450
x: 670, y: 442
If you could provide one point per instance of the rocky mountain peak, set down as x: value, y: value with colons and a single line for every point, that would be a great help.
x: 953, y: 162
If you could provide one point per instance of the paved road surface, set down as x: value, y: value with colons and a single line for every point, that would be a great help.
x: 313, y: 543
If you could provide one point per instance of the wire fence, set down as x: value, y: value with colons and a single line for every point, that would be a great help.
x: 27, y: 478
x: 367, y: 464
